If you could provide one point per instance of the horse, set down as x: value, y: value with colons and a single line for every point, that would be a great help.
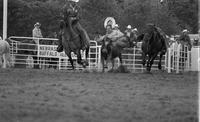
x: 5, y: 53
x: 113, y: 49
x: 71, y: 41
x: 153, y: 43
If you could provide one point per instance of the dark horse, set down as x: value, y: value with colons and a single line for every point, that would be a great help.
x: 111, y: 50
x: 71, y: 41
x: 153, y: 42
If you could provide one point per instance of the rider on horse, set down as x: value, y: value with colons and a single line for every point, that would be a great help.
x: 72, y: 10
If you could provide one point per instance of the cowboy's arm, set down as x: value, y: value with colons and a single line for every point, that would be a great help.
x: 64, y: 12
x: 113, y: 34
x: 119, y: 33
x: 79, y: 12
x: 35, y: 33
x: 40, y: 33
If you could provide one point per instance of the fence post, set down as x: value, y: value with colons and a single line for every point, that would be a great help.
x: 99, y: 57
x: 188, y: 59
x: 134, y: 62
x: 178, y: 57
x: 169, y: 61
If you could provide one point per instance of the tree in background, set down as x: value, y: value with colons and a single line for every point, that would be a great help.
x: 172, y: 15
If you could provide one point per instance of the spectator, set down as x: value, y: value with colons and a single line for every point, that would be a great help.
x: 185, y: 39
x: 128, y: 31
x: 135, y: 31
x: 37, y: 32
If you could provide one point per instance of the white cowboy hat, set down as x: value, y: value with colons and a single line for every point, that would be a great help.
x: 135, y: 29
x: 37, y: 24
x: 116, y: 26
x: 109, y: 19
x: 129, y: 27
x: 74, y: 1
x: 185, y: 30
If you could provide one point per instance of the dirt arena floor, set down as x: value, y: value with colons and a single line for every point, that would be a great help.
x: 60, y: 96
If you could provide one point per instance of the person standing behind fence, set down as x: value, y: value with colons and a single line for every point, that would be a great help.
x: 184, y: 39
x: 37, y: 32
x: 128, y: 31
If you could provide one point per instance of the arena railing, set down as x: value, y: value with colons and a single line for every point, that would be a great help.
x: 44, y: 53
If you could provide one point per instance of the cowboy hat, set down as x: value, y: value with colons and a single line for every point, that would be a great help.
x: 135, y: 29
x: 109, y: 19
x: 116, y: 26
x: 185, y: 30
x: 129, y: 27
x: 76, y: 1
x: 37, y: 24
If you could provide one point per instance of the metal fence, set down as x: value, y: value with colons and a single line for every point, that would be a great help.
x: 26, y: 53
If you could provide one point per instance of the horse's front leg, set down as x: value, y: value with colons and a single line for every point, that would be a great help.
x: 151, y: 61
x: 143, y: 59
x: 113, y: 64
x: 70, y: 59
x: 103, y: 64
x: 79, y: 59
x: 87, y: 55
x: 160, y: 59
x: 120, y: 58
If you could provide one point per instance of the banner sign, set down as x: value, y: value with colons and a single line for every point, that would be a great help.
x: 50, y: 52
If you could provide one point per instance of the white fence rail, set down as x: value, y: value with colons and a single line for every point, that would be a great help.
x: 27, y: 54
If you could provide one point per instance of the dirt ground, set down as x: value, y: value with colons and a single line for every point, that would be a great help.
x: 60, y: 96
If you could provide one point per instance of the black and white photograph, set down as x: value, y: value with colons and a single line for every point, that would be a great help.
x: 99, y: 60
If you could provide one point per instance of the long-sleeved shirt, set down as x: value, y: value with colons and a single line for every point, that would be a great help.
x: 37, y: 33
x: 115, y: 34
x: 185, y: 39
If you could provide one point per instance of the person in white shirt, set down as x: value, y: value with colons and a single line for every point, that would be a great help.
x: 37, y: 32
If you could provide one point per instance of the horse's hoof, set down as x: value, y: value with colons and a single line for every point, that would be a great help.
x: 159, y: 67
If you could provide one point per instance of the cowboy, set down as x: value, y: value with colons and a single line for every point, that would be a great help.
x: 115, y: 34
x: 37, y: 32
x: 72, y: 10
x: 135, y: 31
x: 128, y: 31
x: 185, y: 39
x: 109, y: 21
